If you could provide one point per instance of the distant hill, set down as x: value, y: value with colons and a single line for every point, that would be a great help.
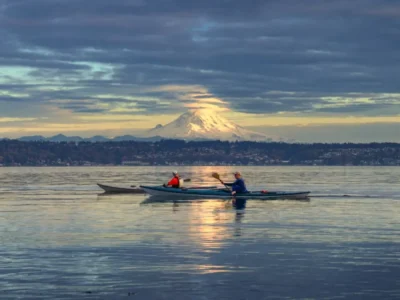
x: 32, y: 138
x: 96, y: 138
x: 63, y: 138
x: 99, y: 138
x: 135, y: 138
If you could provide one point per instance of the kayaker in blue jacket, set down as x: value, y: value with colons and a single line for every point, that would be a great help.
x: 238, y: 186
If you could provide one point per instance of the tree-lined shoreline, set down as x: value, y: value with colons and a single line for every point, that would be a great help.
x: 178, y: 152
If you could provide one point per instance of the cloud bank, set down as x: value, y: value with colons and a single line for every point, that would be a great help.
x: 308, y: 58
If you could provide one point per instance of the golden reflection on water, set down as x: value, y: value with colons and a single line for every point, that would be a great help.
x: 203, y: 173
x: 207, y: 223
x: 212, y: 269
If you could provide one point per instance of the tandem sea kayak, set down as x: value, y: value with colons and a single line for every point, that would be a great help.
x: 220, y: 193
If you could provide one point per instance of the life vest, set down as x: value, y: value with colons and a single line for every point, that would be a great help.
x: 174, y: 182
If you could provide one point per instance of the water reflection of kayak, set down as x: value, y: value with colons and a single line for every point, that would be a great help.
x: 221, y: 193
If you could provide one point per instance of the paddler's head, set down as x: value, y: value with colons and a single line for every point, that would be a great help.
x: 175, y: 173
x: 237, y: 175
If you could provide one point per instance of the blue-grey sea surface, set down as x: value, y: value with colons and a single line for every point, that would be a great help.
x: 61, y: 239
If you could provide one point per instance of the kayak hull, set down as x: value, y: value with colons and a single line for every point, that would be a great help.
x: 220, y: 193
x: 120, y: 190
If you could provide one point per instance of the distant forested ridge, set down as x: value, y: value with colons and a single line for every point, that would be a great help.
x: 178, y: 152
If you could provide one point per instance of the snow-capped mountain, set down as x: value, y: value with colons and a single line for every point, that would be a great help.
x: 205, y: 124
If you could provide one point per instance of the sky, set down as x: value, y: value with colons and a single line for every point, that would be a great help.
x: 309, y: 70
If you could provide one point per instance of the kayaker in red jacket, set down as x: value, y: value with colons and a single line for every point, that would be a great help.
x: 174, y: 182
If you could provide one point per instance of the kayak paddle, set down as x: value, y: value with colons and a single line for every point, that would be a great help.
x: 216, y: 176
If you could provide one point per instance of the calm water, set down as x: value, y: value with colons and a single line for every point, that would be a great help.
x: 60, y: 239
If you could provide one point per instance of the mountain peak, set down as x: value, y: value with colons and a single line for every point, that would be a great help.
x: 204, y: 124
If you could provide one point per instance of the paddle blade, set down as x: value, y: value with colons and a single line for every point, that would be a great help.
x: 216, y: 176
x: 187, y: 180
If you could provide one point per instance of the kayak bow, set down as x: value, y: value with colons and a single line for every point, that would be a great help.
x: 120, y: 190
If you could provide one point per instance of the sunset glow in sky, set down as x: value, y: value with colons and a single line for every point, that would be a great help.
x: 310, y: 70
